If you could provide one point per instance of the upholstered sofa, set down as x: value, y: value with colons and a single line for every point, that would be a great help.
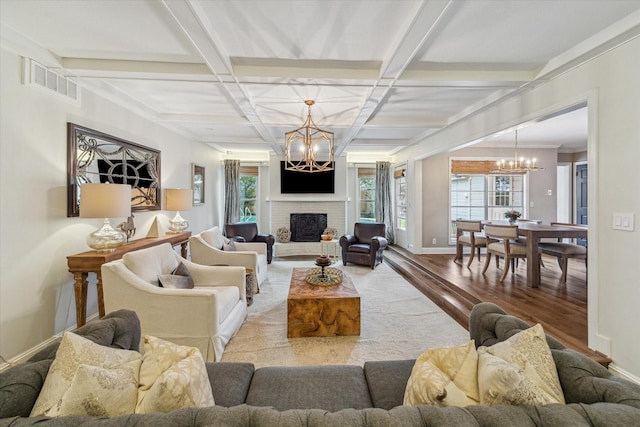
x: 206, y: 316
x: 208, y: 248
x: 345, y: 395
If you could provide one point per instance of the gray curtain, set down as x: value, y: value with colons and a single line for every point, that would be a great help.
x: 384, y: 207
x: 231, y: 191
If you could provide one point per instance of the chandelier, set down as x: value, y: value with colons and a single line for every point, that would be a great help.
x: 306, y: 145
x: 518, y: 165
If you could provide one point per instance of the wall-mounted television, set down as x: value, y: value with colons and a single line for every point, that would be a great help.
x: 292, y: 182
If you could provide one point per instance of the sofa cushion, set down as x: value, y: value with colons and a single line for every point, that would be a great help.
x: 20, y: 386
x: 387, y: 381
x: 444, y: 376
x: 150, y: 263
x: 519, y: 371
x: 230, y: 382
x: 584, y: 380
x: 172, y: 377
x: 329, y: 387
x: 74, y: 351
x: 102, y: 392
x: 214, y: 237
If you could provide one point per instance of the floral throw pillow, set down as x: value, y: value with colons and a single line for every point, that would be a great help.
x: 519, y: 371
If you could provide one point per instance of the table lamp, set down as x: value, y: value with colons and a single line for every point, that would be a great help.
x: 105, y: 201
x: 177, y: 199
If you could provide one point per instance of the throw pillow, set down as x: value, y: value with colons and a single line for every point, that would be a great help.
x: 229, y: 247
x: 180, y: 278
x: 102, y: 392
x: 172, y: 377
x: 214, y: 237
x: 519, y: 371
x: 74, y: 351
x: 446, y: 376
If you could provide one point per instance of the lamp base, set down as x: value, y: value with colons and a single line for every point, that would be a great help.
x: 178, y: 224
x: 106, y: 238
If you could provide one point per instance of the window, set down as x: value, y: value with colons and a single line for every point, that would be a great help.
x: 484, y: 197
x: 248, y: 193
x: 367, y: 188
x: 401, y: 198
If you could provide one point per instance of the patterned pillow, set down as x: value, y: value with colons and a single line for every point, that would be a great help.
x: 74, y: 351
x: 230, y: 247
x: 172, y: 377
x: 519, y: 371
x: 445, y: 376
x: 102, y: 392
x: 283, y: 235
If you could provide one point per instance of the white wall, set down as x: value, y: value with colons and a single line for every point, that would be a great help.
x: 611, y: 86
x: 36, y: 290
x: 435, y: 188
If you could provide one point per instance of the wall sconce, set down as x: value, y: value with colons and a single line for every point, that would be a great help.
x: 105, y: 201
x: 177, y: 199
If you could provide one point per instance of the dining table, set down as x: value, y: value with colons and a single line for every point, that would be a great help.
x: 534, y: 233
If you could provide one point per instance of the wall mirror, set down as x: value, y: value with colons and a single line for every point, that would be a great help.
x: 100, y: 158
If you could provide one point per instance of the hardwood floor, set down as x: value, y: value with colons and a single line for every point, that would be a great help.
x: 562, y: 310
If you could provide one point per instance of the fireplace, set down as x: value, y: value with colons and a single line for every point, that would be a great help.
x: 307, y: 227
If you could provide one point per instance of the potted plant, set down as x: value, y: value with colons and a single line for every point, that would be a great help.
x: 512, y: 216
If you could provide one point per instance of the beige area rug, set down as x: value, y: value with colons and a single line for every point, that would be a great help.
x: 397, y: 322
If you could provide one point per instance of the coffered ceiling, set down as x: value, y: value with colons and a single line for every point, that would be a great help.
x: 384, y: 73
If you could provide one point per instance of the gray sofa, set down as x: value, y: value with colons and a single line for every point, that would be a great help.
x: 344, y: 395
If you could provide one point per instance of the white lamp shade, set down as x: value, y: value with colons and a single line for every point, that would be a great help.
x: 178, y: 199
x: 105, y: 200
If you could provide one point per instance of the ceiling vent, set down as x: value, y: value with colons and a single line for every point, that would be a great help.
x: 39, y: 75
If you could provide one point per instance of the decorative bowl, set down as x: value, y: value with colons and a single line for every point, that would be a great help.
x: 326, y: 236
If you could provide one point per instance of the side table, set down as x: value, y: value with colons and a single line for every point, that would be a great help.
x: 249, y: 285
x: 80, y: 265
x: 325, y: 245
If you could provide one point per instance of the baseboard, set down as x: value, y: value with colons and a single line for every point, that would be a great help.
x: 436, y: 251
x: 23, y: 357
x: 619, y: 372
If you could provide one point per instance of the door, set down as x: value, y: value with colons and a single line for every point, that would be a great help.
x: 581, y: 198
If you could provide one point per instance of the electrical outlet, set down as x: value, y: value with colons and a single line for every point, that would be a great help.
x: 433, y: 242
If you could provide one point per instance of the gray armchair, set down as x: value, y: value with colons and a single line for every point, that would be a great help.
x: 248, y: 232
x: 365, y: 245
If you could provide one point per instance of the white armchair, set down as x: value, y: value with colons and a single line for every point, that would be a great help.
x: 206, y: 316
x: 206, y: 249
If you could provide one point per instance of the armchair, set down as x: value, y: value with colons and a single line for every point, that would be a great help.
x: 248, y: 232
x: 365, y: 245
x: 206, y: 249
x: 206, y: 316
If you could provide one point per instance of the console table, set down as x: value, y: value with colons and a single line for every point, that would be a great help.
x: 80, y: 265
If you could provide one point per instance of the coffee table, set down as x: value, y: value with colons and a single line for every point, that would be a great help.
x: 321, y: 311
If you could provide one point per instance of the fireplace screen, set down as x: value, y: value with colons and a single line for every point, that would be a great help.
x: 307, y: 227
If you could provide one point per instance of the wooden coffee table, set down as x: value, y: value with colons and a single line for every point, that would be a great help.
x: 321, y: 311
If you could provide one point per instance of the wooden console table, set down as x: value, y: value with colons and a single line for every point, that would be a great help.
x: 80, y: 265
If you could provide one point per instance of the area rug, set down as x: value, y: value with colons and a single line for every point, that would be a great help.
x: 397, y: 322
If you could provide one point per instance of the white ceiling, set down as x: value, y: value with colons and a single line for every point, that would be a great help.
x: 384, y: 73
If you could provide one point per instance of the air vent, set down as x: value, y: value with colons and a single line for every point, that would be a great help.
x: 40, y: 75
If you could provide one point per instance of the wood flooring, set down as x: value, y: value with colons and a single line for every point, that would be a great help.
x: 560, y: 308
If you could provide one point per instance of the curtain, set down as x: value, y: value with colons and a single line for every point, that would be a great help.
x: 231, y: 191
x: 384, y: 207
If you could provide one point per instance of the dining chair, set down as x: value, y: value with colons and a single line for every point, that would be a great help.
x: 563, y: 250
x: 466, y: 236
x: 499, y: 243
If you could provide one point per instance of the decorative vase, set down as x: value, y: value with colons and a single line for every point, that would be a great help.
x: 512, y: 221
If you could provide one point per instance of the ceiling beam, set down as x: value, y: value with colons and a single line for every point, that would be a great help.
x: 194, y: 23
x: 429, y: 16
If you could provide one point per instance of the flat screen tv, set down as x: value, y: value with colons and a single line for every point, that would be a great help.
x: 292, y: 182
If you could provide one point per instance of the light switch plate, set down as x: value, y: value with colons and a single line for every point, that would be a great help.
x: 623, y: 221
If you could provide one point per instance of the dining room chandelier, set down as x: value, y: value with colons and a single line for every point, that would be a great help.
x: 309, y: 148
x: 518, y: 165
